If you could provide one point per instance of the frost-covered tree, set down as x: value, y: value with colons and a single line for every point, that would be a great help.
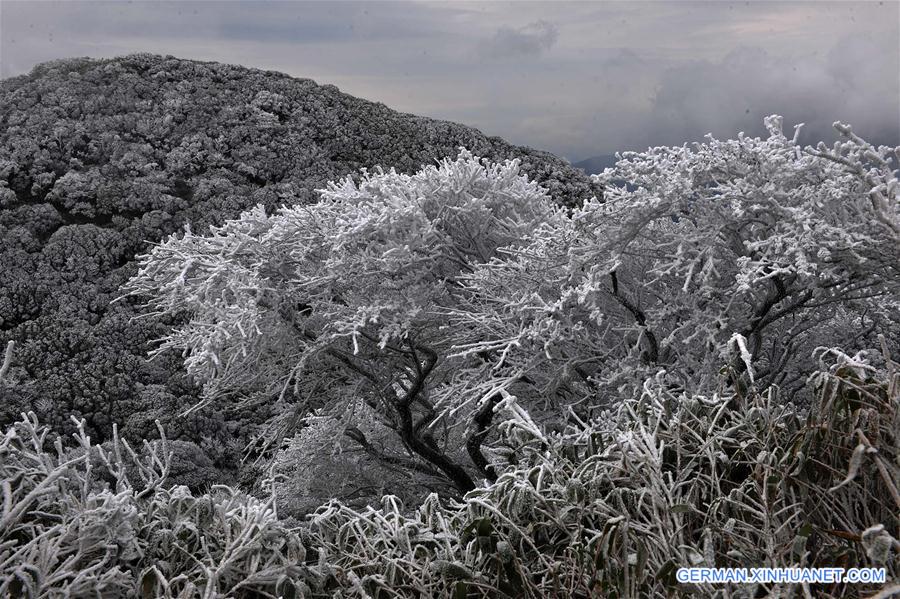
x: 410, y: 314
x: 342, y: 308
x: 745, y: 253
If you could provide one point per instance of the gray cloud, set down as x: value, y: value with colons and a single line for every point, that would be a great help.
x: 530, y: 40
x: 851, y: 82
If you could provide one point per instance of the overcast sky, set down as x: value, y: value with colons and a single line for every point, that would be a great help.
x: 578, y: 79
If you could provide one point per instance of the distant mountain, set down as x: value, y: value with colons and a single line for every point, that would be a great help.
x: 596, y: 164
x: 99, y: 157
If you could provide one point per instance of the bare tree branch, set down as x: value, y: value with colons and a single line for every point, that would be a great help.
x: 651, y: 355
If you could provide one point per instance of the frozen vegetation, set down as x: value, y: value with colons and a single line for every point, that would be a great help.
x: 98, y: 157
x: 459, y: 368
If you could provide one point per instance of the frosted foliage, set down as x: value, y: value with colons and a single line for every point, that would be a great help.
x: 662, y: 480
x: 355, y: 290
x: 778, y: 247
x: 457, y: 296
x: 605, y: 508
x: 81, y: 520
x: 370, y: 259
x: 320, y: 464
x: 598, y: 395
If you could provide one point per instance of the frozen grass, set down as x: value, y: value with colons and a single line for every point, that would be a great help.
x: 64, y: 532
x: 608, y: 508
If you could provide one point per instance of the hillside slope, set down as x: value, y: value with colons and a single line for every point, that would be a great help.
x: 98, y: 157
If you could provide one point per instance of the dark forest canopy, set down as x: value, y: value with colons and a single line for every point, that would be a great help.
x: 99, y: 157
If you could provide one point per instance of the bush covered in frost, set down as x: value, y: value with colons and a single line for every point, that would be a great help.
x: 403, y: 315
x: 605, y: 508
